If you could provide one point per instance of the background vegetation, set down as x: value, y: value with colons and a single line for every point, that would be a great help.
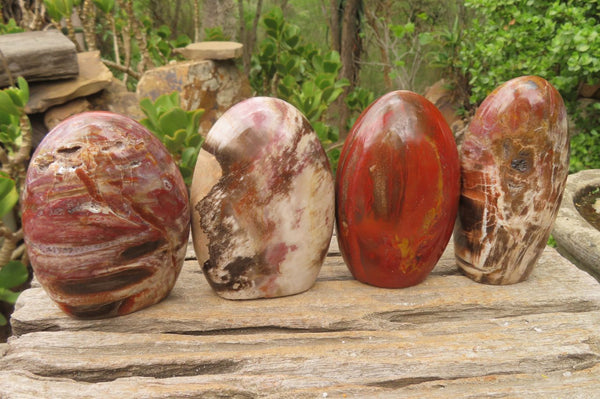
x: 330, y: 58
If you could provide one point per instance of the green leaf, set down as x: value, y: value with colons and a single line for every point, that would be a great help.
x: 15, y: 97
x: 3, y: 320
x: 270, y: 22
x: 149, y: 110
x: 189, y: 156
x: 170, y: 144
x: 172, y: 120
x: 425, y: 38
x: 8, y: 296
x: 105, y: 5
x: 7, y: 105
x: 24, y: 90
x: 274, y: 19
x: 8, y: 195
x: 13, y: 274
x: 333, y: 95
x: 179, y: 137
x: 163, y: 31
x: 57, y: 9
x: 268, y: 49
x: 194, y: 122
x: 195, y: 140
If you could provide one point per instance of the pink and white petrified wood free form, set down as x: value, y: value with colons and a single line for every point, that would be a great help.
x: 263, y: 202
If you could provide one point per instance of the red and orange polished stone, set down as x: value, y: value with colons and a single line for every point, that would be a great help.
x: 105, y: 215
x: 515, y: 162
x: 397, y: 190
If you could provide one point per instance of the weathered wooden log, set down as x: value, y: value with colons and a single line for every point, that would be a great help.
x: 37, y: 56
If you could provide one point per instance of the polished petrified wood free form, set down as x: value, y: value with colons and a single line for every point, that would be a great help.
x: 263, y: 202
x: 397, y: 189
x: 105, y: 215
x: 514, y: 166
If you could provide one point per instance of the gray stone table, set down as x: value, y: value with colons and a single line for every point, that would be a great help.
x: 448, y: 337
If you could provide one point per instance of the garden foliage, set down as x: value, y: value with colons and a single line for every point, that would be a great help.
x: 557, y: 40
x: 176, y: 128
x: 14, y: 152
x: 287, y: 67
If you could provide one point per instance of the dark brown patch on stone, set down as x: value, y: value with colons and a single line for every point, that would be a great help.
x: 112, y: 282
x: 237, y: 274
x: 140, y: 250
x: 93, y: 311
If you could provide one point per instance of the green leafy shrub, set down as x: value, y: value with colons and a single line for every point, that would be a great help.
x: 286, y: 67
x: 557, y: 40
x: 15, y: 139
x: 10, y: 27
x: 215, y: 34
x: 176, y: 128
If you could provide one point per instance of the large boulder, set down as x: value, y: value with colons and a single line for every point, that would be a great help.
x: 211, y: 85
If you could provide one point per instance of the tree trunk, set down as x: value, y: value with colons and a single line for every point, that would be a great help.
x: 196, y: 20
x: 248, y: 36
x: 219, y: 13
x: 379, y: 19
x: 350, y: 53
x: 335, y: 11
x: 176, y: 18
x: 89, y: 17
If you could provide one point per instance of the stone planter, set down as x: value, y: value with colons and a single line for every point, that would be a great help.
x: 576, y: 238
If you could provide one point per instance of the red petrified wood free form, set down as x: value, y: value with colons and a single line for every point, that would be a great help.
x: 105, y: 215
x: 397, y: 190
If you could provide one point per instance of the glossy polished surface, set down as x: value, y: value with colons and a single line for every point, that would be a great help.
x: 515, y: 162
x: 263, y: 222
x: 105, y: 216
x: 397, y: 189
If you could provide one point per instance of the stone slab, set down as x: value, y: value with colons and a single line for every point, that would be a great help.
x: 576, y: 239
x: 212, y: 50
x: 447, y: 337
x: 93, y: 77
x: 38, y: 56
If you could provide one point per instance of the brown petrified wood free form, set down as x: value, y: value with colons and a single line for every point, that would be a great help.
x: 514, y: 165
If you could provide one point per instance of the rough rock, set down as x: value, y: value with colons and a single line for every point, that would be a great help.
x: 212, y: 50
x: 38, y: 56
x: 212, y: 85
x: 590, y: 91
x: 116, y: 98
x: 444, y: 99
x: 576, y: 239
x: 57, y: 114
x: 93, y: 77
